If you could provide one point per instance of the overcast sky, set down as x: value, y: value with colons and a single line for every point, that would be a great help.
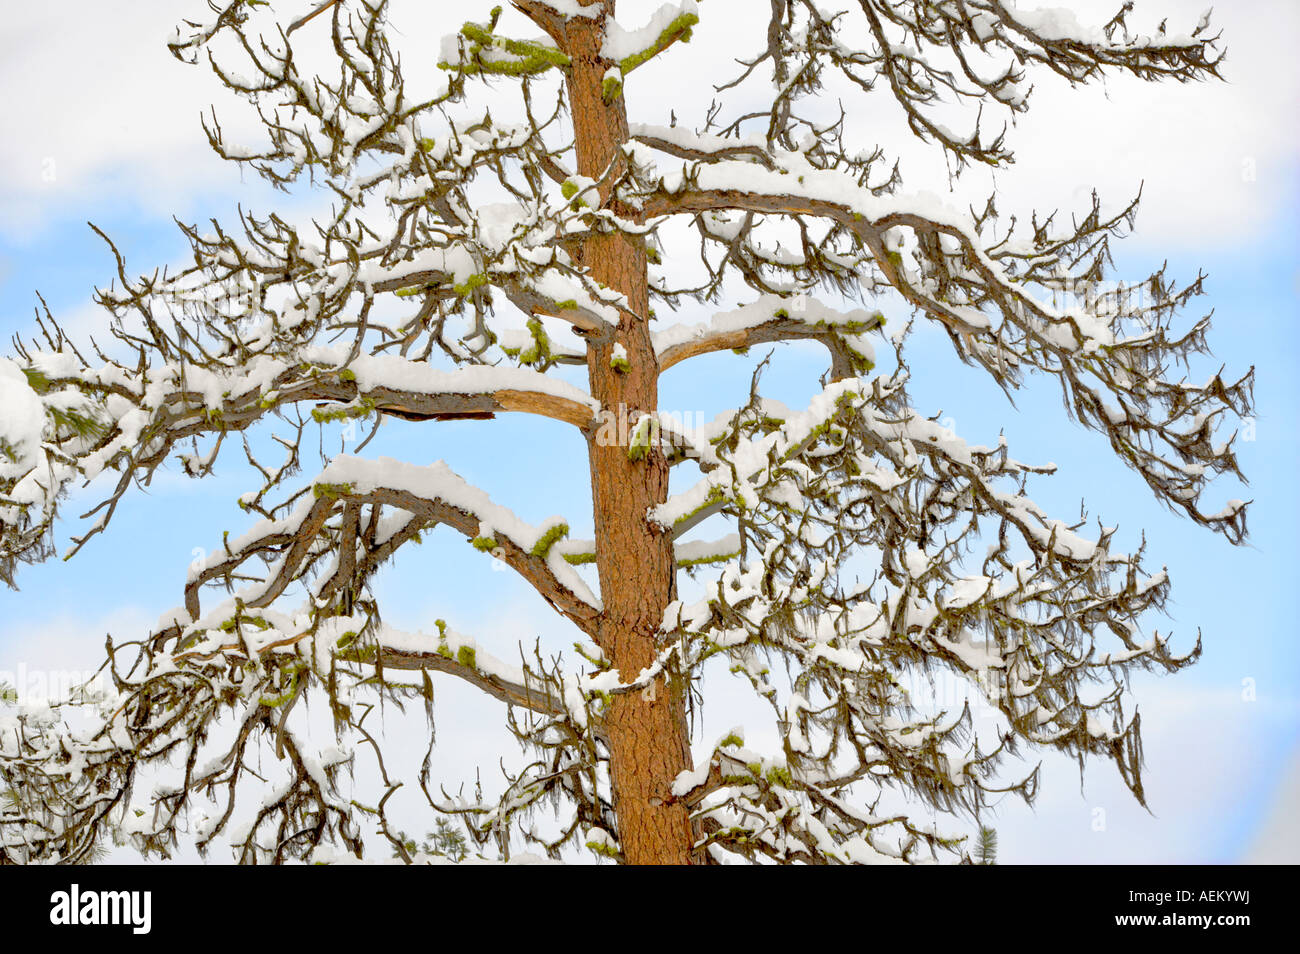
x: 101, y: 124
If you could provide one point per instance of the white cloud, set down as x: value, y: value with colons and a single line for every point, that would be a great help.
x: 1278, y: 839
x: 66, y: 638
x: 107, y: 115
x: 1215, y: 159
x: 1205, y: 751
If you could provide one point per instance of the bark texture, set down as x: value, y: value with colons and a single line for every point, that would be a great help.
x: 648, y: 736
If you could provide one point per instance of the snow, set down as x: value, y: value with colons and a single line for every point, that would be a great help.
x: 439, y: 482
x: 764, y: 309
x: 685, y: 138
x: 572, y: 8
x: 621, y: 43
x: 696, y: 551
x: 1059, y: 23
x: 22, y: 422
x: 395, y: 373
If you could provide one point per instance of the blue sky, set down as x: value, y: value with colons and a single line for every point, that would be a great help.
x: 1220, y: 173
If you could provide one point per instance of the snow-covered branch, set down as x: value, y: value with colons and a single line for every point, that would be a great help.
x: 772, y: 318
x: 1115, y: 366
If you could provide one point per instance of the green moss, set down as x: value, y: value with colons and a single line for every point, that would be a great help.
x: 362, y: 408
x: 485, y: 544
x: 600, y: 848
x: 539, y: 353
x: 274, y: 702
x: 611, y: 88
x: 715, y: 495
x: 679, y: 28
x: 474, y: 281
x: 779, y: 776
x: 652, y: 256
x: 529, y: 58
x: 733, y: 740
x: 710, y: 650
x: 619, y: 363
x: 577, y: 559
x: 426, y: 145
x: 712, y: 558
x: 362, y: 654
x: 229, y: 625
x: 465, y: 656
x: 330, y: 491
x: 347, y: 374
x: 569, y: 189
x: 569, y: 304
x: 596, y: 660
x: 856, y: 327
x: 644, y: 436
x: 548, y: 539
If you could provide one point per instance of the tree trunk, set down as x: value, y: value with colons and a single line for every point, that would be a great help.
x: 648, y: 738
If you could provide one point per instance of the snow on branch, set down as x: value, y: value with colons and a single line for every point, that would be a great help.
x: 447, y: 267
x: 773, y: 318
x: 631, y: 48
x: 66, y: 423
x: 427, y: 496
x: 1023, y: 625
x: 479, y: 50
x: 1115, y: 364
x: 928, y: 56
x: 258, y: 664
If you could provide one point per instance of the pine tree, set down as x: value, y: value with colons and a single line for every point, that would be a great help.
x: 472, y: 264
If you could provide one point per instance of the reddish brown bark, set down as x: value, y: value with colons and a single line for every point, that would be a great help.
x: 648, y: 739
